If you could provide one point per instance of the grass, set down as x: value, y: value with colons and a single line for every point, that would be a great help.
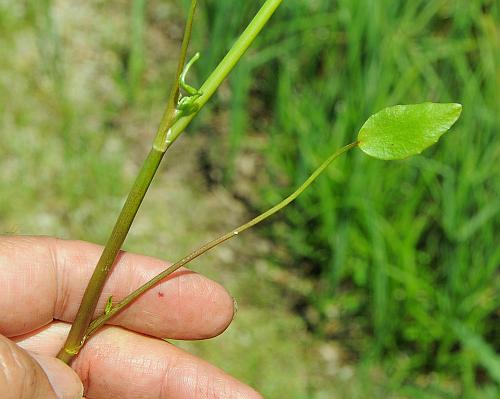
x: 394, y: 266
x: 405, y: 257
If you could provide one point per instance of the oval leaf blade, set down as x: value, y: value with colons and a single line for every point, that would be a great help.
x: 403, y: 130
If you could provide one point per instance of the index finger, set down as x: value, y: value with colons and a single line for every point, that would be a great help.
x: 44, y: 279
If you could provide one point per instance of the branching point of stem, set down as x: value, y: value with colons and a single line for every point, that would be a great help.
x: 225, y: 67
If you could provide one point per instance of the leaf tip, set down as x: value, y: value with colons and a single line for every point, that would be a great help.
x: 457, y: 107
x: 454, y: 112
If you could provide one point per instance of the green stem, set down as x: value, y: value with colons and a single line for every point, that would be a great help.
x: 113, y: 245
x: 170, y: 128
x: 101, y: 320
x: 122, y: 226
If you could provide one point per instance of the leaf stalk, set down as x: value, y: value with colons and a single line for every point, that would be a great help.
x: 101, y: 320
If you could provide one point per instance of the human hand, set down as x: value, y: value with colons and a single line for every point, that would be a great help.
x: 42, y: 283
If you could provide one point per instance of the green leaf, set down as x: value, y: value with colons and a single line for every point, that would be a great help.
x: 404, y: 130
x: 109, y: 305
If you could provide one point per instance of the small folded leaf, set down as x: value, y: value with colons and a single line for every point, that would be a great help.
x: 404, y: 130
x: 109, y: 305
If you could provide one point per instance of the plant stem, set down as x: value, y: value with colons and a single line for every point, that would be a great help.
x: 101, y: 320
x: 169, y: 130
x: 113, y: 245
x: 94, y: 288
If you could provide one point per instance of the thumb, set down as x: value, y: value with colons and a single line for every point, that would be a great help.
x: 34, y: 377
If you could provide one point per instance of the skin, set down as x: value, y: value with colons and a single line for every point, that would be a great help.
x: 42, y: 283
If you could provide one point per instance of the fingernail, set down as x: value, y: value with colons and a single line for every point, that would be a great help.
x: 63, y: 379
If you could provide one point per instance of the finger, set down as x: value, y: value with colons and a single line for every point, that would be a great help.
x: 44, y: 278
x: 63, y: 378
x: 47, y: 340
x: 23, y: 377
x: 117, y: 363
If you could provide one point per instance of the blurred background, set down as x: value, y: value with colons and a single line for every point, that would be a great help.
x: 382, y: 280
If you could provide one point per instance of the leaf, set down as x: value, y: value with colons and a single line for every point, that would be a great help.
x: 109, y: 305
x: 403, y: 130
